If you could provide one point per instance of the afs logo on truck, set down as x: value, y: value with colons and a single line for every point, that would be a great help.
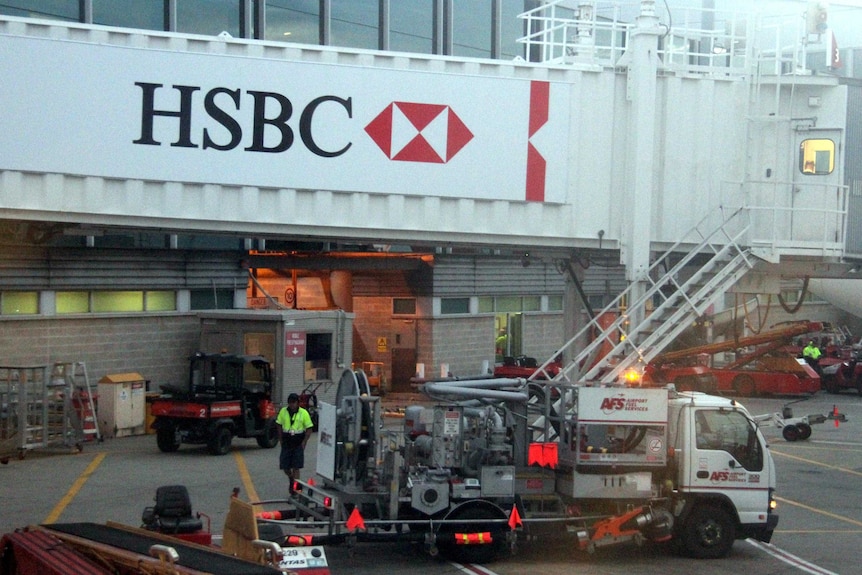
x: 612, y: 404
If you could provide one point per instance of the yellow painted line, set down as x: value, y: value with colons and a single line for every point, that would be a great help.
x: 813, y: 462
x: 247, y: 483
x: 820, y: 511
x: 76, y: 487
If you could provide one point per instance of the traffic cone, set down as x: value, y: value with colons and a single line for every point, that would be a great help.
x: 835, y: 414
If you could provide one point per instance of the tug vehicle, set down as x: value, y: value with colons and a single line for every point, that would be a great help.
x: 227, y: 396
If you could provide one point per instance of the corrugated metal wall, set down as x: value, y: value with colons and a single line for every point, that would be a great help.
x: 853, y: 165
x: 69, y: 269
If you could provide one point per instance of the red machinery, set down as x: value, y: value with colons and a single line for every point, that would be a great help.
x: 761, y: 365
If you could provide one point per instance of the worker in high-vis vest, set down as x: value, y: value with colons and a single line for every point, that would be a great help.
x: 811, y: 354
x: 295, y: 428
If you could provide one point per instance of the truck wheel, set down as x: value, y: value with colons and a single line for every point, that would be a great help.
x: 708, y: 533
x: 804, y: 430
x: 269, y: 439
x: 484, y: 553
x: 791, y: 433
x: 166, y: 437
x: 743, y: 385
x: 219, y: 443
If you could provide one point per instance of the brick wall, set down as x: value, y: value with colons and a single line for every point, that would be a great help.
x: 157, y: 347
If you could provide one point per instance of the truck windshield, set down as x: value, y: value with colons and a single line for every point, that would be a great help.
x: 730, y: 431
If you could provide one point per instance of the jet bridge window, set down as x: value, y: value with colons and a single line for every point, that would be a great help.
x: 816, y: 157
x: 730, y: 431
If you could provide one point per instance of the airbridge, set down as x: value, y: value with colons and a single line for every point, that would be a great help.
x: 177, y: 132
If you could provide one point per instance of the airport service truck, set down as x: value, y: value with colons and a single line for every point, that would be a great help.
x: 490, y: 462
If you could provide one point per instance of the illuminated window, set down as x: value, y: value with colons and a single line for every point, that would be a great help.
x: 73, y: 302
x: 19, y: 303
x: 117, y: 301
x: 161, y: 300
x: 816, y: 157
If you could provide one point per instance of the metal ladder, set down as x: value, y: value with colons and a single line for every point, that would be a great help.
x: 678, y: 302
x: 78, y: 384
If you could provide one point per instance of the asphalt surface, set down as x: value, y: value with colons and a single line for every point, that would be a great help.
x: 819, y: 489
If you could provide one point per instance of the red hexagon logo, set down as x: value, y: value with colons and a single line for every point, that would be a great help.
x: 414, y: 132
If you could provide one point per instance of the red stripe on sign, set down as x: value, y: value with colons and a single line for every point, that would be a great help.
x: 535, y: 175
x: 540, y: 96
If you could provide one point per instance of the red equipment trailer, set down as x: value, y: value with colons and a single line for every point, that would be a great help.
x: 761, y: 365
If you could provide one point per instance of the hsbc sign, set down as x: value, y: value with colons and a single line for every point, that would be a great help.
x: 437, y: 132
x: 238, y: 120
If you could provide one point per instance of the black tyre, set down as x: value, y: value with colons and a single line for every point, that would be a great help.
x: 166, y: 437
x: 744, y: 386
x: 484, y: 553
x: 269, y: 439
x: 219, y: 443
x: 804, y: 430
x: 791, y: 433
x: 707, y: 533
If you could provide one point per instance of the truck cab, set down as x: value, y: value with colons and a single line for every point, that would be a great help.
x: 724, y: 477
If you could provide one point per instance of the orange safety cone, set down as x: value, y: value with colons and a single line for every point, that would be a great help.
x: 835, y: 414
x: 515, y: 518
x: 355, y: 521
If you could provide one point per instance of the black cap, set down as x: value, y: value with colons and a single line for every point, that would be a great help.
x: 292, y: 397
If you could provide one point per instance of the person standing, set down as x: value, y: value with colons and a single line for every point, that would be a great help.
x: 295, y: 427
x: 811, y: 354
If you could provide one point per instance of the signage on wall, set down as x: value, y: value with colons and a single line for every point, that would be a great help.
x: 382, y: 344
x: 208, y: 118
x: 294, y: 344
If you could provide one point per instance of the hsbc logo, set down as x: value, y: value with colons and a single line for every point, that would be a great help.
x: 414, y: 132
x: 404, y: 131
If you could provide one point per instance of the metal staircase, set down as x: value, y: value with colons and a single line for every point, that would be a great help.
x: 676, y: 302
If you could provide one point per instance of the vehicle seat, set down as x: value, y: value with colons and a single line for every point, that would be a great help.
x: 172, y: 512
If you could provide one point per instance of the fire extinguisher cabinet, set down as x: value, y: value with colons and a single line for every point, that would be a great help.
x: 122, y: 399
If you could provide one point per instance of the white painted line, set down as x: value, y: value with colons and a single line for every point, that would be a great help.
x: 790, y: 559
x: 471, y: 569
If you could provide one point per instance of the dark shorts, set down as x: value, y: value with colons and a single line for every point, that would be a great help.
x: 291, y: 457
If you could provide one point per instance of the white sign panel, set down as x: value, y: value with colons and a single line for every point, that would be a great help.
x: 622, y: 405
x: 131, y: 113
x: 326, y: 440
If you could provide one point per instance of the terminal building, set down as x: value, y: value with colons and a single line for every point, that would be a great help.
x: 431, y: 186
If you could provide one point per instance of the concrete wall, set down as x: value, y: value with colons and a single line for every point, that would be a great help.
x: 156, y: 346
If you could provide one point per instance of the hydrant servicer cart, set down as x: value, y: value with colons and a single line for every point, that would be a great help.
x: 35, y: 411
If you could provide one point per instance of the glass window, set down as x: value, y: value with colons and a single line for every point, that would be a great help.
x: 531, y: 303
x: 144, y: 14
x: 404, y: 306
x: 509, y: 303
x: 354, y: 23
x: 471, y: 28
x: 117, y: 301
x: 210, y: 17
x: 816, y: 157
x: 555, y: 303
x: 486, y: 304
x: 730, y: 431
x: 19, y: 303
x: 318, y: 356
x: 73, y: 302
x: 453, y: 305
x: 512, y: 29
x: 50, y: 9
x: 410, y: 25
x: 161, y: 301
x: 211, y: 299
x: 293, y: 21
